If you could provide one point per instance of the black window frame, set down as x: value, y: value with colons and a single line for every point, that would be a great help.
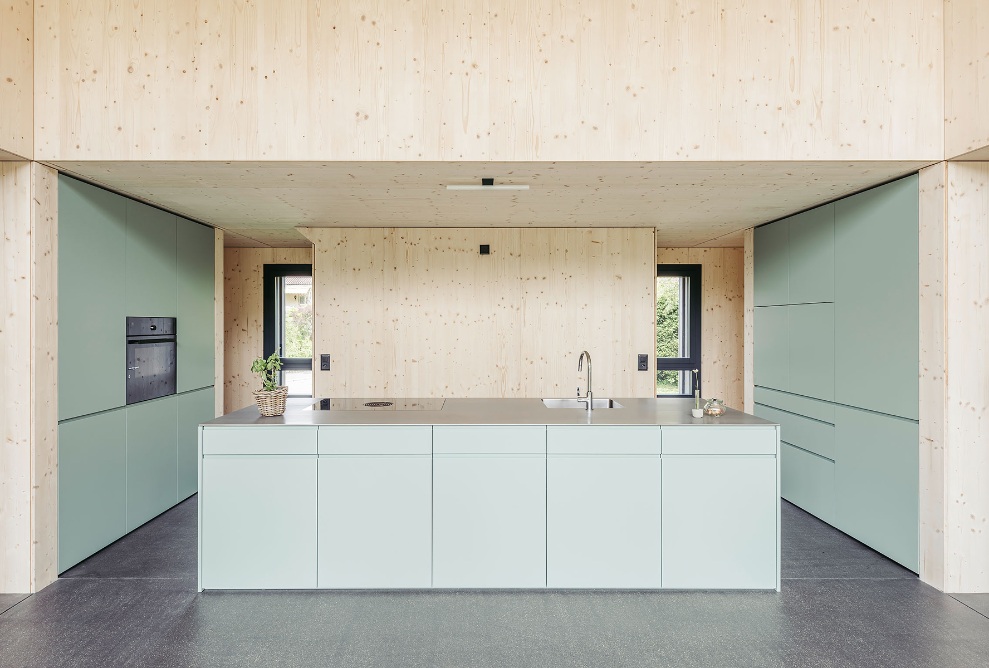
x: 271, y: 296
x: 691, y: 294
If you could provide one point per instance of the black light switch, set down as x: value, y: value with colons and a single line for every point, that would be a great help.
x: 644, y: 362
x: 324, y: 362
x: 485, y: 249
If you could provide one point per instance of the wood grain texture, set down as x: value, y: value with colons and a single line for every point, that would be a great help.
x: 748, y: 321
x: 933, y: 226
x: 966, y: 77
x: 219, y: 323
x: 44, y: 376
x: 243, y: 316
x: 966, y: 303
x: 690, y: 203
x: 17, y: 77
x: 722, y: 319
x: 419, y: 312
x: 15, y: 390
x: 505, y: 80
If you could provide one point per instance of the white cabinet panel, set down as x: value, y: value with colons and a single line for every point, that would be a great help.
x: 720, y: 522
x: 375, y: 521
x: 603, y: 439
x: 489, y: 521
x: 258, y: 522
x: 376, y: 440
x: 603, y: 521
x: 489, y: 440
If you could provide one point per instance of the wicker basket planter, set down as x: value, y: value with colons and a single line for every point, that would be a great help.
x: 271, y: 403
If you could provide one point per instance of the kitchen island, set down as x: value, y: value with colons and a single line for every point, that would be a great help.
x: 488, y: 493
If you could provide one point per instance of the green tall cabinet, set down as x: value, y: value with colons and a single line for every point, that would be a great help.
x: 119, y: 465
x: 837, y: 289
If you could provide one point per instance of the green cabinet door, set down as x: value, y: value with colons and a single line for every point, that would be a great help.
x: 811, y: 357
x: 812, y: 256
x: 151, y: 459
x: 877, y: 307
x: 91, y: 487
x: 877, y: 482
x: 771, y: 347
x: 772, y: 264
x: 91, y: 279
x: 807, y: 481
x: 150, y: 261
x: 194, y: 305
x: 193, y: 408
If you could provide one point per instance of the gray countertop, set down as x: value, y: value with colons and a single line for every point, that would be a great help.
x: 661, y: 412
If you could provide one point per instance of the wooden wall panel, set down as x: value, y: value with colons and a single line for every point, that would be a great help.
x: 502, y: 80
x: 933, y: 226
x: 418, y: 312
x: 17, y: 78
x: 722, y: 320
x: 219, y: 324
x: 243, y: 313
x: 966, y: 303
x: 15, y: 390
x: 28, y: 341
x: 966, y: 77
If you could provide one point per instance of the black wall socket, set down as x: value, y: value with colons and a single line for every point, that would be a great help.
x: 324, y: 362
x: 644, y: 362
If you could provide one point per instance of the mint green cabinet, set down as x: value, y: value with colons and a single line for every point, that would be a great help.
x: 258, y: 521
x: 151, y: 459
x: 807, y: 481
x: 193, y: 408
x: 877, y: 306
x: 772, y: 265
x: 91, y: 485
x: 811, y: 262
x: 811, y: 346
x: 150, y: 288
x: 771, y: 347
x: 877, y: 477
x: 194, y: 305
x: 91, y: 279
x: 720, y: 518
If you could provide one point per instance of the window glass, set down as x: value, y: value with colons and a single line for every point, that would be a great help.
x: 678, y: 318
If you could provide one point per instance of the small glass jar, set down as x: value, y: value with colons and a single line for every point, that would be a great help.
x: 714, y: 407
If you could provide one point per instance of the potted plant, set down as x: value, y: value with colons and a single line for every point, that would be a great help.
x: 271, y: 397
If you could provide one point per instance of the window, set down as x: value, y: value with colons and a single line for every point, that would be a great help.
x: 288, y: 323
x: 678, y: 328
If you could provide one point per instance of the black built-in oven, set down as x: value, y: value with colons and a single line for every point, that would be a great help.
x: 151, y: 358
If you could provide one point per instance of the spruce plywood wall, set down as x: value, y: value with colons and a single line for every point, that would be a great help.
x: 420, y: 313
x: 243, y: 316
x: 722, y: 320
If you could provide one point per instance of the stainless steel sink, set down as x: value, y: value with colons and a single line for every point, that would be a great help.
x: 581, y: 403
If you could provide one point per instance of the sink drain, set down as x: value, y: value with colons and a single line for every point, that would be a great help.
x: 378, y: 404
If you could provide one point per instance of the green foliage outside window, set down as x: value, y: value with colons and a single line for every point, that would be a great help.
x: 298, y: 331
x: 667, y: 332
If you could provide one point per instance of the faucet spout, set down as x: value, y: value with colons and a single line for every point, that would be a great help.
x: 580, y: 364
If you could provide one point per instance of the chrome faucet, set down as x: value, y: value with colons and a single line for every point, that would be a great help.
x: 588, y: 395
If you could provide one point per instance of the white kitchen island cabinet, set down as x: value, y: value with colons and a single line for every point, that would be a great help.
x: 720, y: 509
x: 489, y: 507
x: 603, y: 514
x: 375, y: 507
x: 489, y: 494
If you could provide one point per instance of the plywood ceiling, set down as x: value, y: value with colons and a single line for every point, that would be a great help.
x: 689, y: 203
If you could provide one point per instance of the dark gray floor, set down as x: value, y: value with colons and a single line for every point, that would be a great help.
x: 978, y: 602
x: 135, y: 604
x: 8, y: 601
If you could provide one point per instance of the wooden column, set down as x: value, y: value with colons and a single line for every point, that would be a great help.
x: 28, y: 391
x: 954, y: 376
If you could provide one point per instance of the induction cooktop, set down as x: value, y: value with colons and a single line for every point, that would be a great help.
x: 378, y: 404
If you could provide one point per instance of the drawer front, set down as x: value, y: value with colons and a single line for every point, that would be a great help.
x: 793, y: 403
x: 493, y: 440
x: 713, y: 440
x: 259, y: 440
x: 803, y: 432
x: 603, y: 440
x: 807, y: 481
x: 376, y: 440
